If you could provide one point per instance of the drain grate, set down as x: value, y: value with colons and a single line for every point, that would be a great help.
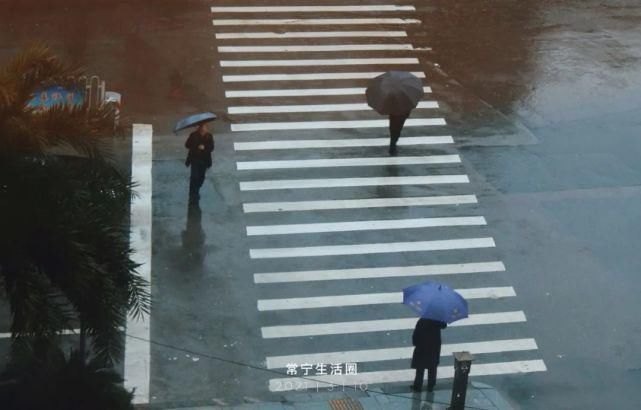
x: 345, y: 404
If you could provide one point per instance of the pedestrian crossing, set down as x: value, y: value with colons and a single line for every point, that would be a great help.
x: 336, y: 228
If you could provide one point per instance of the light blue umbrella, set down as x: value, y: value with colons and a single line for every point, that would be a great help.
x: 432, y: 300
x: 193, y: 120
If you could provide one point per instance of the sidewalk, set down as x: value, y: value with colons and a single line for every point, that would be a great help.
x: 479, y: 396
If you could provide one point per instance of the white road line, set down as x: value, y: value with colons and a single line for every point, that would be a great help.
x: 371, y: 248
x: 304, y: 9
x: 351, y: 182
x: 413, y: 223
x: 348, y: 162
x: 313, y: 22
x: 309, y: 77
x: 309, y: 48
x: 312, y: 125
x: 311, y: 34
x: 385, y: 325
x: 270, y: 109
x: 400, y: 353
x: 339, y: 143
x: 381, y: 272
x: 137, y: 350
x: 406, y: 375
x: 301, y: 92
x: 318, y: 62
x: 317, y: 302
x: 358, y: 203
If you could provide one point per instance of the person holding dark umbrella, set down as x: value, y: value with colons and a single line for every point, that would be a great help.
x: 200, y: 146
x: 396, y: 94
x: 427, y: 351
x: 437, y: 305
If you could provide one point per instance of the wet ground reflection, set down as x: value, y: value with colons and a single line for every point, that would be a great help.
x: 193, y: 237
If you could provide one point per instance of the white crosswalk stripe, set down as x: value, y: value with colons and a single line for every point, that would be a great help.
x: 303, y: 9
x: 398, y: 353
x: 270, y: 109
x: 396, y: 376
x: 338, y: 143
x: 250, y: 207
x: 328, y: 125
x: 378, y: 272
x: 301, y: 92
x: 371, y: 248
x: 316, y: 302
x: 351, y: 182
x: 348, y: 162
x: 319, y: 62
x: 313, y: 48
x: 364, y: 225
x: 311, y: 77
x: 313, y: 22
x: 300, y: 121
x: 385, y: 325
x: 310, y: 34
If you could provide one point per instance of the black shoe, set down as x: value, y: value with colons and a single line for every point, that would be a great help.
x: 392, y: 151
x: 430, y: 388
x: 415, y: 389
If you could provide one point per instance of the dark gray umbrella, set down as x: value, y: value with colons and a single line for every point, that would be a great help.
x: 394, y: 93
x: 193, y: 120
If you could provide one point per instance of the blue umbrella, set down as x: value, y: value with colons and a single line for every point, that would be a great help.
x: 194, y: 120
x: 432, y: 300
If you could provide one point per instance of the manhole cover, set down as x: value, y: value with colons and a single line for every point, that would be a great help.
x: 345, y: 404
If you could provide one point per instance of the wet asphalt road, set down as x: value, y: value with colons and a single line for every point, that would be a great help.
x: 544, y: 97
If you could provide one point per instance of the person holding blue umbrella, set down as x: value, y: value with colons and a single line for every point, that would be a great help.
x: 200, y: 146
x: 437, y: 305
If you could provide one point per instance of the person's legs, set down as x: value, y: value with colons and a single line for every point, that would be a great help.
x: 396, y: 123
x: 394, y: 133
x: 418, y: 380
x: 431, y: 377
x: 196, y: 180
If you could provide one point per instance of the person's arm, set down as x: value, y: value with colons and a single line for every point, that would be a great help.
x: 414, y: 337
x: 209, y: 144
x: 190, y: 142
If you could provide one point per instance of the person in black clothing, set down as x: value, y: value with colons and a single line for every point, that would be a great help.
x: 396, y: 123
x: 427, y: 351
x: 200, y: 145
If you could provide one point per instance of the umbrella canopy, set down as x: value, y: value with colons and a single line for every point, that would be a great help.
x: 394, y: 93
x: 193, y: 120
x: 432, y: 300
